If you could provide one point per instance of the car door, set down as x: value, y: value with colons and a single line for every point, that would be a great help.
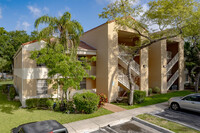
x: 187, y: 102
x: 190, y: 103
x: 197, y: 103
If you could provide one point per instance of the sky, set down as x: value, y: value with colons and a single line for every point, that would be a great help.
x: 21, y: 14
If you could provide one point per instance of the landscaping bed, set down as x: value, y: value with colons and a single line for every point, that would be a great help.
x: 157, y: 98
x: 167, y: 124
x: 12, y: 115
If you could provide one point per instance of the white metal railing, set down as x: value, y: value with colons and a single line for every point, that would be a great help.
x: 172, y: 79
x: 123, y: 79
x: 134, y: 65
x: 172, y: 62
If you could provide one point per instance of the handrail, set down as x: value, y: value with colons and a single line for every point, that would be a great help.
x: 172, y: 79
x: 134, y: 65
x: 123, y: 79
x: 172, y: 62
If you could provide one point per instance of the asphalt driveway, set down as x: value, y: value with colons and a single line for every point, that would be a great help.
x: 189, y: 118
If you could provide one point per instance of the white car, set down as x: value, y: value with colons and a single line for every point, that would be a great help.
x: 189, y: 102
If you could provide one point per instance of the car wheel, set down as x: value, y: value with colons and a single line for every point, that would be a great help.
x: 175, y: 106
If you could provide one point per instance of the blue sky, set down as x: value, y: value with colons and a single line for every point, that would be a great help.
x: 21, y: 14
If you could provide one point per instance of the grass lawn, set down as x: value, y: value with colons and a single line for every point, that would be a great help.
x: 177, y: 128
x: 158, y: 98
x: 11, y: 115
x: 6, y: 82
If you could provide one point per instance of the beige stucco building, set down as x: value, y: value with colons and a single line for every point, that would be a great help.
x: 160, y: 65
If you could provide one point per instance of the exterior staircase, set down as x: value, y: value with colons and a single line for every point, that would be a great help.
x: 172, y: 79
x: 169, y: 67
x: 123, y: 80
x: 135, y: 67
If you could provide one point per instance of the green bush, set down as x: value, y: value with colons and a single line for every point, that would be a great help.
x: 139, y: 96
x: 32, y: 103
x: 86, y: 102
x: 156, y: 90
x: 4, y: 88
x: 50, y: 103
x: 39, y: 102
x: 150, y: 91
x: 12, y: 92
x: 70, y: 107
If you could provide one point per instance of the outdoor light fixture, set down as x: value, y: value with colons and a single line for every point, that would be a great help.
x: 144, y: 66
x: 164, y: 66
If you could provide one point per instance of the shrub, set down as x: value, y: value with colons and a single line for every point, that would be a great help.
x: 102, y: 99
x: 70, y: 107
x: 39, y: 102
x: 32, y: 103
x: 150, y: 91
x: 156, y: 90
x: 12, y: 93
x: 50, y: 103
x: 86, y: 102
x: 139, y: 96
x: 4, y: 88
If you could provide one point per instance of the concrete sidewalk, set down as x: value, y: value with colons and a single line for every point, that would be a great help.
x: 93, y: 124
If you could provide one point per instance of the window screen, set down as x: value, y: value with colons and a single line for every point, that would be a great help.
x: 83, y: 84
x: 42, y: 87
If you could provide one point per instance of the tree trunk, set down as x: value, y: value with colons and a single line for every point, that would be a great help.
x: 67, y: 95
x: 131, y: 96
x: 197, y: 82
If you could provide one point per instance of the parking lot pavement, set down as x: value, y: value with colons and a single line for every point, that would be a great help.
x: 189, y: 118
x: 127, y: 127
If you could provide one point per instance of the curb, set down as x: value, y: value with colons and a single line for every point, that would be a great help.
x: 161, y: 129
x: 177, y: 122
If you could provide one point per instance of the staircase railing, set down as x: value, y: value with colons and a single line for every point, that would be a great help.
x: 172, y: 79
x: 172, y: 62
x: 134, y: 65
x: 123, y: 79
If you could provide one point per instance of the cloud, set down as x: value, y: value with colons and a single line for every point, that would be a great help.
x: 25, y: 25
x: 22, y: 26
x: 1, y: 13
x: 46, y: 9
x: 35, y: 11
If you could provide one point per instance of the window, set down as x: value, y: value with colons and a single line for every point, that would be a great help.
x: 83, y: 84
x: 191, y: 98
x: 42, y: 87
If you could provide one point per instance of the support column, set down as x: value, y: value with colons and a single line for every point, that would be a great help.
x: 144, y: 70
x: 163, y: 49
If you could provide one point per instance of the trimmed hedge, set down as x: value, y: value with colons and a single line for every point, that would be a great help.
x: 139, y: 96
x: 40, y: 103
x: 4, y: 89
x: 86, y: 102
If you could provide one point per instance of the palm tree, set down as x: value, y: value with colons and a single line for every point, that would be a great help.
x: 67, y: 30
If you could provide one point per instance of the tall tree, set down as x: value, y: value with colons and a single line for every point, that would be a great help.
x: 178, y: 15
x: 67, y: 30
x: 60, y: 54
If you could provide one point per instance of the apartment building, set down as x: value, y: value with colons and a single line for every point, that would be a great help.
x: 30, y: 79
x: 160, y: 65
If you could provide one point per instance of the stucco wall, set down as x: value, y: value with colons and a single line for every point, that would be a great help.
x: 90, y: 83
x: 98, y: 38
